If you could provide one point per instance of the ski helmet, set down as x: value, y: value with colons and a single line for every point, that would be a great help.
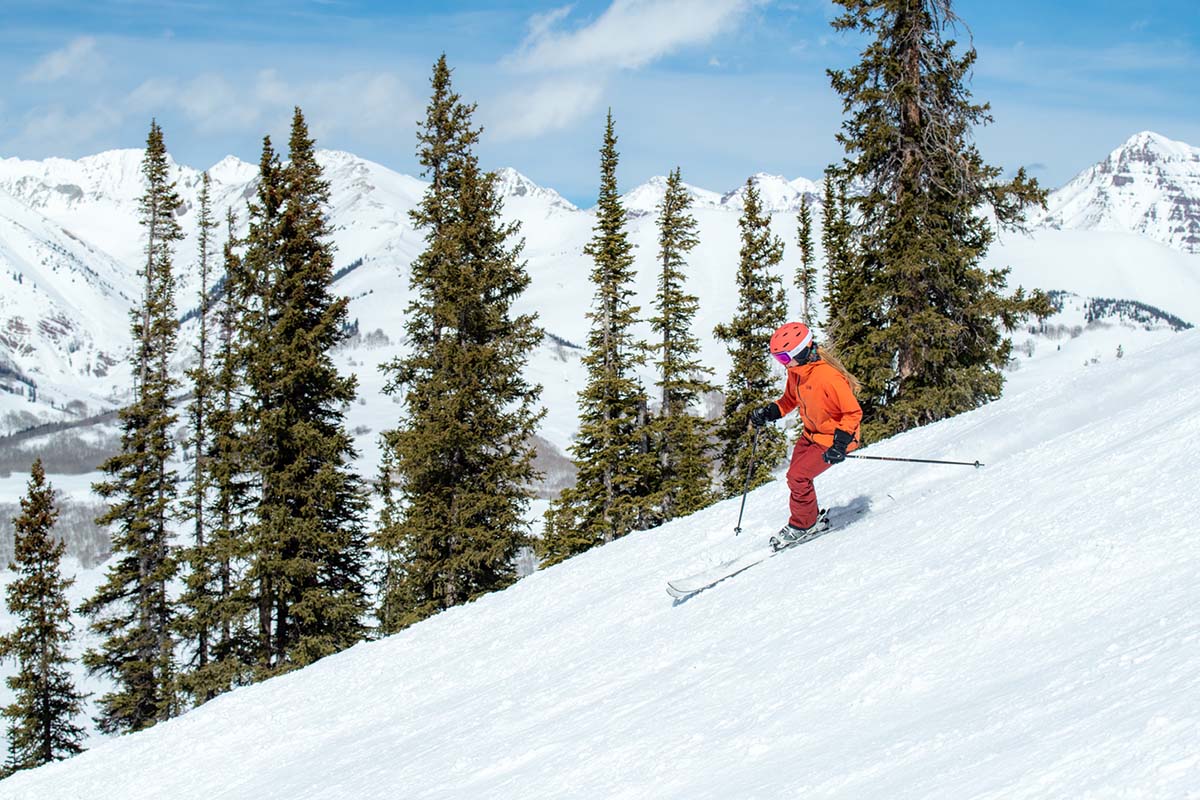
x: 792, y: 343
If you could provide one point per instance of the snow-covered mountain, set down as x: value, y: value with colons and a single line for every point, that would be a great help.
x: 1149, y: 185
x: 96, y: 198
x: 776, y: 193
x: 63, y: 308
x: 646, y: 198
x: 953, y: 639
x: 89, y: 208
x: 512, y: 184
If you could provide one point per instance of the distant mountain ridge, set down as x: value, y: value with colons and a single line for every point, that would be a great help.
x: 70, y: 248
x: 1149, y: 185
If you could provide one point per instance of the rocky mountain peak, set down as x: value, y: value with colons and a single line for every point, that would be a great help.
x: 1150, y: 184
x: 646, y: 198
x: 511, y: 183
x: 776, y: 193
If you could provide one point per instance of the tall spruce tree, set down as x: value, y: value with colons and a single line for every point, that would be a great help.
x: 762, y: 307
x: 131, y: 611
x: 835, y: 245
x: 908, y: 139
x: 806, y: 273
x: 856, y: 330
x: 45, y: 703
x: 195, y: 622
x: 256, y: 361
x: 463, y: 453
x: 228, y: 612
x: 389, y: 540
x: 616, y: 477
x: 681, y: 436
x: 311, y: 547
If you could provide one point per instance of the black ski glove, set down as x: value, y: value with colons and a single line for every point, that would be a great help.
x: 836, y: 453
x: 761, y: 416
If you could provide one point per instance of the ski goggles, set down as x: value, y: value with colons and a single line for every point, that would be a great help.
x: 797, y: 355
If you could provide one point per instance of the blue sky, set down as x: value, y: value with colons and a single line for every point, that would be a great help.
x: 722, y: 88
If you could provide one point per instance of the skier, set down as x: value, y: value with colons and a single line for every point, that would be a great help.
x: 824, y: 391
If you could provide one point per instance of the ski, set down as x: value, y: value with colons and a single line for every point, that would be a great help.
x: 681, y: 588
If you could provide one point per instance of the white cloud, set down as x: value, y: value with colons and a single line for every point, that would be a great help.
x: 210, y: 101
x: 575, y: 64
x: 552, y: 105
x: 270, y: 89
x: 56, y: 129
x: 541, y: 25
x: 371, y: 105
x: 628, y: 35
x: 78, y: 58
x: 214, y: 103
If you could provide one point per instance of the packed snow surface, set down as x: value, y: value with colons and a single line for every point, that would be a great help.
x: 1024, y: 630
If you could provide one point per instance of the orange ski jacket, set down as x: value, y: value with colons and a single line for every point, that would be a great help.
x: 825, y: 402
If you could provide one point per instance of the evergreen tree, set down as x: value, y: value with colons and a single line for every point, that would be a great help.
x: 464, y: 453
x: 762, y: 308
x: 45, y: 702
x: 232, y: 497
x: 908, y: 138
x: 256, y: 362
x: 853, y: 328
x: 195, y: 622
x: 856, y: 330
x: 389, y: 540
x: 131, y: 611
x: 835, y: 245
x: 310, y: 546
x: 681, y: 437
x: 616, y: 477
x: 217, y: 594
x: 806, y: 275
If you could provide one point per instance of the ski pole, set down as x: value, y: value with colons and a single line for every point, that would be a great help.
x: 749, y: 474
x: 975, y: 464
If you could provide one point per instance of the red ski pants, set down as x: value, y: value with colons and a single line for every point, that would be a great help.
x: 806, y: 465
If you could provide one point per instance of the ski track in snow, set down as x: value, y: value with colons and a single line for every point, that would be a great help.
x: 1025, y: 630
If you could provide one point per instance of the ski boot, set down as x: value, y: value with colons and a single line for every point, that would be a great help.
x: 790, y: 535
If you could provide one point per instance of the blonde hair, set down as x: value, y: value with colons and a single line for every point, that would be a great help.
x: 827, y: 355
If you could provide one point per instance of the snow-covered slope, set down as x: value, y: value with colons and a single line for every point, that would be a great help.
x: 41, y: 241
x: 63, y: 311
x: 1149, y: 185
x: 1025, y: 630
x: 1115, y: 264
